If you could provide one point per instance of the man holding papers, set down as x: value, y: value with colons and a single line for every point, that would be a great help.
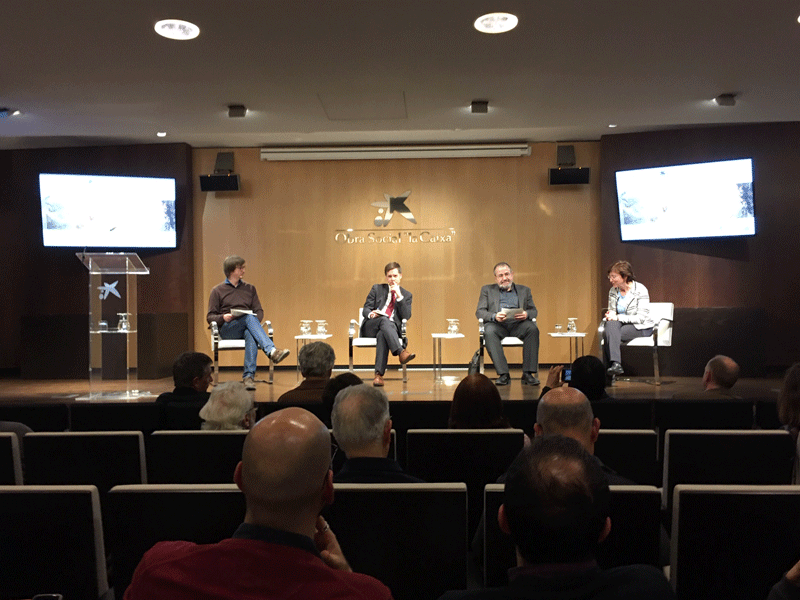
x: 507, y: 309
x: 235, y: 307
x: 385, y: 309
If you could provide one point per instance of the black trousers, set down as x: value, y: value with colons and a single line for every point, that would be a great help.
x: 385, y: 332
x: 525, y: 330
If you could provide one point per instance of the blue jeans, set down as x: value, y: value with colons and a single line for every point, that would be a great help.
x: 250, y: 330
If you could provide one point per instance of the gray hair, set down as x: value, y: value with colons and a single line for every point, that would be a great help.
x: 558, y: 417
x: 227, y: 406
x: 316, y: 359
x: 359, y: 415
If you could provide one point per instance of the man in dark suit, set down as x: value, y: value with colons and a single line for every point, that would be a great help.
x: 387, y: 306
x: 507, y: 309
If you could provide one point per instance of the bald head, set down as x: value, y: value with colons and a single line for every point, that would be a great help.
x: 567, y: 411
x: 285, y: 460
x: 721, y: 372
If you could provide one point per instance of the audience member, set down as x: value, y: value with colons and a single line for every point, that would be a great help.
x: 556, y: 509
x: 789, y: 412
x: 333, y: 387
x: 587, y: 374
x: 316, y: 362
x: 284, y: 548
x: 230, y: 406
x: 788, y: 588
x: 191, y: 373
x: 477, y: 405
x: 718, y: 378
x: 363, y: 429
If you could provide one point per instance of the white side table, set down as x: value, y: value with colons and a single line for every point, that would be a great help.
x: 437, y: 352
x: 574, y: 335
x: 305, y: 338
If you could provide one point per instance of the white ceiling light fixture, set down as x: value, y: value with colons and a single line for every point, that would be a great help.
x: 496, y: 23
x: 394, y: 152
x: 725, y: 100
x: 161, y: 134
x: 175, y: 29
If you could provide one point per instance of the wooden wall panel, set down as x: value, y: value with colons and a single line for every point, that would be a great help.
x: 284, y: 219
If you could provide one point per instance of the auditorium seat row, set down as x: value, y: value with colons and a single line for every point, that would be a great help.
x: 727, y: 541
x: 614, y: 414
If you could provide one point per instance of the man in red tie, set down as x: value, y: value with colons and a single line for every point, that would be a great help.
x: 387, y: 306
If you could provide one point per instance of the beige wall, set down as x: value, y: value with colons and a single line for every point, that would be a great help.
x: 284, y: 219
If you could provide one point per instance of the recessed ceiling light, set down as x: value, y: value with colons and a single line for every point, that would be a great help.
x: 175, y: 29
x: 6, y: 112
x: 162, y: 134
x: 612, y: 124
x: 725, y: 100
x: 496, y: 23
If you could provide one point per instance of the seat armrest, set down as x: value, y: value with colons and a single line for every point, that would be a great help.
x: 268, y: 326
x: 352, y: 329
x: 480, y: 327
x: 403, y: 328
x: 215, y: 331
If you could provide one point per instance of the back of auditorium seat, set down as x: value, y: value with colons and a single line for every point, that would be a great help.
x: 732, y: 541
x: 634, y: 538
x: 10, y: 461
x: 51, y: 542
x: 624, y: 413
x: 193, y: 456
x: 474, y: 456
x: 115, y: 416
x: 521, y: 413
x: 751, y: 457
x: 100, y: 458
x: 766, y: 413
x: 39, y: 417
x: 416, y: 415
x: 410, y: 536
x: 703, y: 414
x: 142, y: 515
x: 633, y: 453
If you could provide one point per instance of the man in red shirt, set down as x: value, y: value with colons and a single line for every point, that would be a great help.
x: 284, y: 548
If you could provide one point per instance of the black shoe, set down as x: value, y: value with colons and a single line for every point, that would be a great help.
x: 504, y: 379
x: 529, y: 379
x: 615, y: 369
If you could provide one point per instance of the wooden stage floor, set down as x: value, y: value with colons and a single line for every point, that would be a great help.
x: 420, y: 387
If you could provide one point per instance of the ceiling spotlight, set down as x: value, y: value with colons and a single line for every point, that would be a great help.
x: 236, y: 110
x: 175, y: 29
x: 496, y: 23
x: 725, y: 100
x: 162, y: 134
x: 479, y: 106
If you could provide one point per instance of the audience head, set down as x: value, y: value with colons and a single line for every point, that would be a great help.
x: 721, y: 372
x: 477, y: 405
x: 556, y: 502
x: 589, y: 376
x: 361, y: 422
x: 789, y: 398
x: 231, y: 263
x: 567, y: 411
x: 333, y: 387
x: 230, y: 406
x: 192, y: 370
x: 285, y: 470
x: 316, y: 360
x: 624, y: 269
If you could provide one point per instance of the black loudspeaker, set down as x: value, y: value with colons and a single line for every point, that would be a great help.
x: 565, y: 156
x: 219, y: 183
x: 569, y: 176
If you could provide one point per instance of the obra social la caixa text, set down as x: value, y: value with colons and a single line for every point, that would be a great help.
x: 395, y: 237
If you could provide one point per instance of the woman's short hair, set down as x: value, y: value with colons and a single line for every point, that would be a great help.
x: 624, y: 268
x: 589, y: 376
x: 477, y: 405
x: 227, y: 406
x: 789, y: 398
x: 231, y: 263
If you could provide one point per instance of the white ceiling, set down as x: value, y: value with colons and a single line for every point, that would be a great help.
x: 323, y: 72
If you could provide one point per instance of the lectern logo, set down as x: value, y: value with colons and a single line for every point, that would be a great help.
x: 109, y: 288
x: 386, y: 208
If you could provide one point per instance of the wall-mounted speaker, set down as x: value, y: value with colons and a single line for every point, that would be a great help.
x: 569, y: 176
x: 219, y: 183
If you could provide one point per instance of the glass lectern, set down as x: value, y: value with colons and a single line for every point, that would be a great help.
x: 113, y: 348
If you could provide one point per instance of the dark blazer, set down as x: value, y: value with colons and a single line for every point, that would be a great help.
x: 489, y: 302
x: 377, y: 298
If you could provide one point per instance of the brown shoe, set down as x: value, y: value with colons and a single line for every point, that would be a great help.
x: 406, y: 356
x: 378, y: 381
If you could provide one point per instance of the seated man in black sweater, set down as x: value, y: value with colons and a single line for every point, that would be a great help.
x: 191, y: 373
x: 556, y: 509
x: 363, y: 430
